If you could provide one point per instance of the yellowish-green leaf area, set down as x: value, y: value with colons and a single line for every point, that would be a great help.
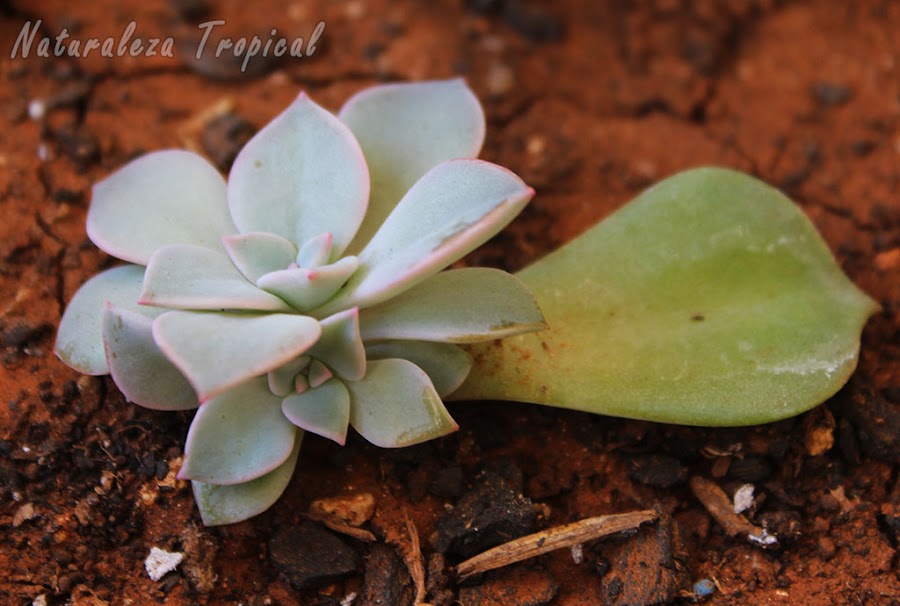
x: 708, y: 300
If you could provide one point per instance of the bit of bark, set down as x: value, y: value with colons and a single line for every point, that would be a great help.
x: 360, y: 534
x: 558, y: 537
x: 721, y: 509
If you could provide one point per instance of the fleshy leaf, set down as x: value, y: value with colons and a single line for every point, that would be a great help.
x: 708, y: 300
x: 340, y: 346
x: 305, y: 288
x: 300, y: 176
x: 163, y: 198
x: 79, y: 341
x: 141, y: 371
x: 456, y: 306
x: 318, y: 374
x: 217, y: 351
x: 405, y: 130
x: 324, y: 410
x: 235, y: 503
x: 445, y: 364
x: 453, y: 209
x: 237, y: 436
x: 191, y: 277
x: 256, y: 254
x: 396, y: 405
x: 281, y: 380
x: 316, y: 252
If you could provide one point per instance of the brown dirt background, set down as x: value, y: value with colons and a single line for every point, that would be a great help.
x: 589, y: 102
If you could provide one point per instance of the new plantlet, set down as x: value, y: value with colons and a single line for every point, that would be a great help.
x: 304, y: 293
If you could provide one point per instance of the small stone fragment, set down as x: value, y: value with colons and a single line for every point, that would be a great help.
x: 629, y: 581
x: 704, y: 588
x: 309, y: 554
x: 830, y: 94
x: 750, y: 469
x: 888, y: 260
x: 161, y: 562
x: 23, y: 514
x: 743, y: 498
x: 516, y: 586
x: 224, y: 136
x: 818, y: 432
x: 387, y: 580
x: 661, y: 471
x: 533, y: 21
x: 352, y: 510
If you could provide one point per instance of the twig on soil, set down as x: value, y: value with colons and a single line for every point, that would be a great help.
x: 414, y: 560
x: 721, y: 509
x: 551, y: 539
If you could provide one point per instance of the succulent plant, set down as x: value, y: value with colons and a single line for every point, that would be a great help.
x: 304, y: 293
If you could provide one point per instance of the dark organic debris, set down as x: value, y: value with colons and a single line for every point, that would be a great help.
x: 657, y: 470
x: 224, y: 136
x: 309, y: 554
x: 830, y: 94
x: 488, y: 515
x: 386, y: 579
x: 751, y: 468
x: 876, y: 420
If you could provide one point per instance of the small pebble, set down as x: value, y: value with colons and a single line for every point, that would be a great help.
x: 743, y: 498
x: 829, y: 94
x: 160, y: 562
x: 37, y: 110
x: 704, y: 588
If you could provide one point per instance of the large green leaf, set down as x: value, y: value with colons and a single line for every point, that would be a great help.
x: 709, y: 300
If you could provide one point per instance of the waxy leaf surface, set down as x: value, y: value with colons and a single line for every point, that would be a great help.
x: 708, y: 300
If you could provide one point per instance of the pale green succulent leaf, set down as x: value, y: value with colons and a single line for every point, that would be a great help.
x: 457, y: 306
x: 708, y: 300
x: 163, y: 198
x: 140, y: 370
x: 79, y: 340
x: 257, y: 253
x: 281, y: 380
x: 340, y: 346
x: 316, y: 251
x: 305, y: 288
x: 235, y: 503
x: 324, y: 410
x: 396, y: 405
x: 447, y: 365
x: 405, y: 130
x: 217, y: 351
x: 453, y: 209
x: 237, y: 436
x: 184, y: 276
x: 301, y: 175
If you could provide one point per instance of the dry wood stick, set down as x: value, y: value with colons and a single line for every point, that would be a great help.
x: 554, y: 538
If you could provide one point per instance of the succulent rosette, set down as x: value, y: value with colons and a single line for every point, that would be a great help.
x: 304, y: 294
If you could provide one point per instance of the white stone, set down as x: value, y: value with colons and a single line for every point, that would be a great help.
x: 161, y: 562
x: 743, y: 498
